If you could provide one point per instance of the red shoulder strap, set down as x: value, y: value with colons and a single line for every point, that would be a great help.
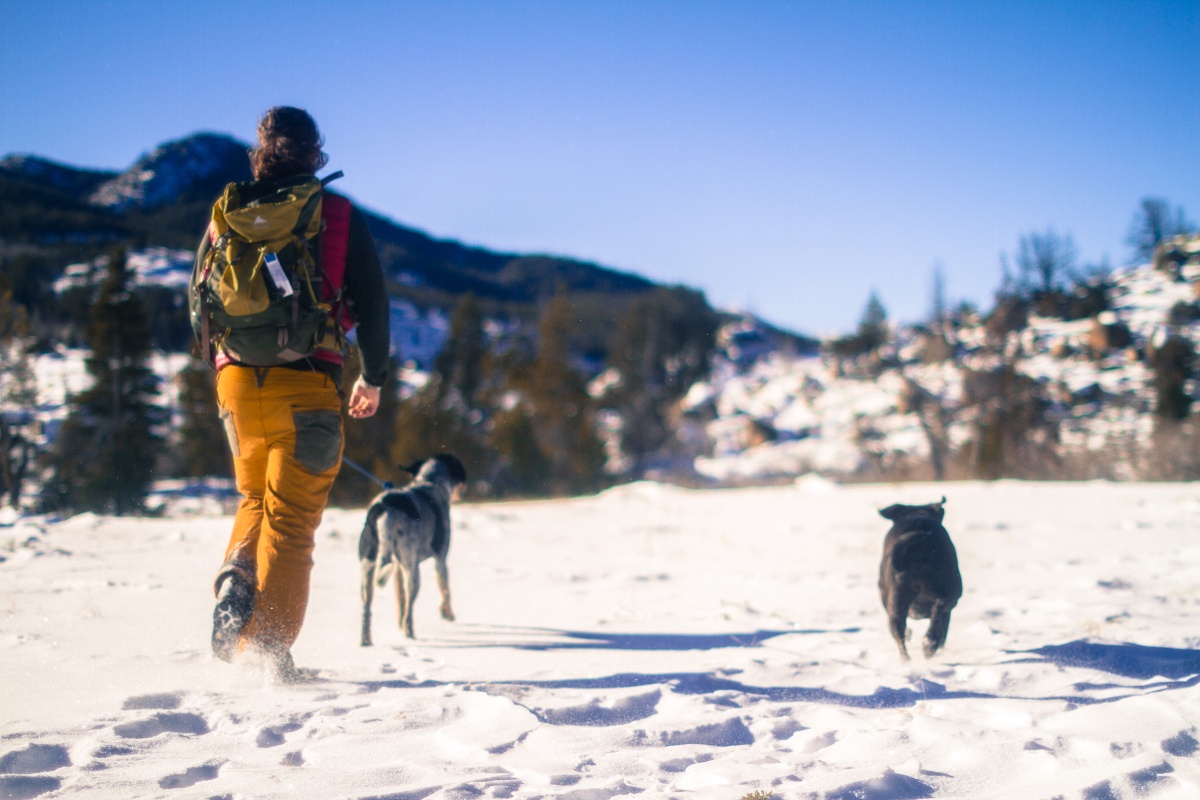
x: 335, y: 243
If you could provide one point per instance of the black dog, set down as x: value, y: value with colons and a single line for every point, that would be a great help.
x: 403, y: 528
x: 919, y: 575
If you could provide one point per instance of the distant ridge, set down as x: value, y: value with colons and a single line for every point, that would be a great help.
x: 69, y: 214
x: 73, y: 181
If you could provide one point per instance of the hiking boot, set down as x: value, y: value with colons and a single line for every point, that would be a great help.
x: 235, y: 601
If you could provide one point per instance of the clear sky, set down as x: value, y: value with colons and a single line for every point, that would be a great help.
x: 785, y: 157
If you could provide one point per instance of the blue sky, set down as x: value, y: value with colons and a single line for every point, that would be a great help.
x: 785, y: 157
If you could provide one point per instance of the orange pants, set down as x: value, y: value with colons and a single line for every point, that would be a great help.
x: 285, y: 430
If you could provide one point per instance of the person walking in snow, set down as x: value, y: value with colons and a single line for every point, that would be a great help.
x: 284, y: 270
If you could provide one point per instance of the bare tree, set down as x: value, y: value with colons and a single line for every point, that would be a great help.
x: 1154, y: 223
x: 1045, y: 261
x: 935, y: 417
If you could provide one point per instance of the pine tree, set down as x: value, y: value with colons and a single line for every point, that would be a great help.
x: 202, y: 448
x: 873, y: 326
x: 462, y: 361
x: 661, y: 347
x: 451, y: 413
x: 524, y: 469
x: 18, y: 394
x: 105, y: 452
x: 562, y: 411
x: 1173, y: 364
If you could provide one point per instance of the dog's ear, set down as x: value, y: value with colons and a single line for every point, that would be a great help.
x: 940, y: 509
x: 458, y: 473
x: 413, y: 468
x: 891, y: 512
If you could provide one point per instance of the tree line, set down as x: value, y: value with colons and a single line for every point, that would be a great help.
x: 521, y: 411
x: 529, y: 408
x: 1013, y: 418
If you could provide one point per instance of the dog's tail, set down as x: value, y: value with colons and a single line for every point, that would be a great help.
x: 384, y: 571
x: 368, y: 540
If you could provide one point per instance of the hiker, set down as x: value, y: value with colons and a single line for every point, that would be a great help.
x: 275, y: 288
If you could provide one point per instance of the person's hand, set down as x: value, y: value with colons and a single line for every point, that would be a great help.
x: 364, y: 400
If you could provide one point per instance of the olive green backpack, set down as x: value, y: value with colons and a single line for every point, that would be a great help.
x: 257, y: 293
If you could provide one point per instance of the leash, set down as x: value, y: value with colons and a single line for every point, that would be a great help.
x: 361, y: 471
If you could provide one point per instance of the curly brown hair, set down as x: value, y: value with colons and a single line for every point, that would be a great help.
x: 288, y: 144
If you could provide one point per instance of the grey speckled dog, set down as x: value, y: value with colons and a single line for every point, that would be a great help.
x: 403, y: 528
x: 918, y: 576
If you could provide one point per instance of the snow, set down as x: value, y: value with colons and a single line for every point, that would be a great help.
x: 417, y: 334
x: 830, y: 422
x: 154, y: 266
x: 651, y: 639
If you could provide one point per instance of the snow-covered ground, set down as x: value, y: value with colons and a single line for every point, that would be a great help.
x: 649, y: 640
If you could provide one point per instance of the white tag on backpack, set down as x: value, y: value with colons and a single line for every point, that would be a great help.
x: 275, y: 270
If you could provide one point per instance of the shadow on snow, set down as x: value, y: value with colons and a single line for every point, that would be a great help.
x: 590, y: 640
x: 1124, y: 659
x: 1180, y: 669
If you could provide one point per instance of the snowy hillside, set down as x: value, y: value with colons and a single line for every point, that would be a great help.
x: 650, y: 641
x: 766, y: 412
x: 173, y: 169
x: 417, y: 334
x: 781, y: 415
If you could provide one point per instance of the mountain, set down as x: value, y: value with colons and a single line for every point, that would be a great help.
x: 184, y: 171
x: 63, y: 214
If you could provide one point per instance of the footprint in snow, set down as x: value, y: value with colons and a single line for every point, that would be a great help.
x: 153, y: 702
x: 190, y: 777
x: 730, y: 733
x: 1099, y: 791
x: 163, y: 722
x: 601, y: 794
x: 273, y: 735
x: 502, y: 785
x: 1182, y: 744
x: 594, y: 714
x: 681, y: 764
x: 888, y: 786
x: 18, y: 778
x: 23, y: 787
x: 35, y: 758
x: 1152, y: 779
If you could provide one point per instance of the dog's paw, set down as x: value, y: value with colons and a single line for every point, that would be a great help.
x: 447, y: 613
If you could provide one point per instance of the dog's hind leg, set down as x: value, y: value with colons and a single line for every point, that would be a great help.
x: 408, y: 583
x: 897, y: 624
x: 443, y: 581
x: 939, y: 626
x: 368, y: 593
x: 897, y: 604
x: 368, y: 551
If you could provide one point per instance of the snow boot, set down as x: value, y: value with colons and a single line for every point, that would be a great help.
x: 235, y: 602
